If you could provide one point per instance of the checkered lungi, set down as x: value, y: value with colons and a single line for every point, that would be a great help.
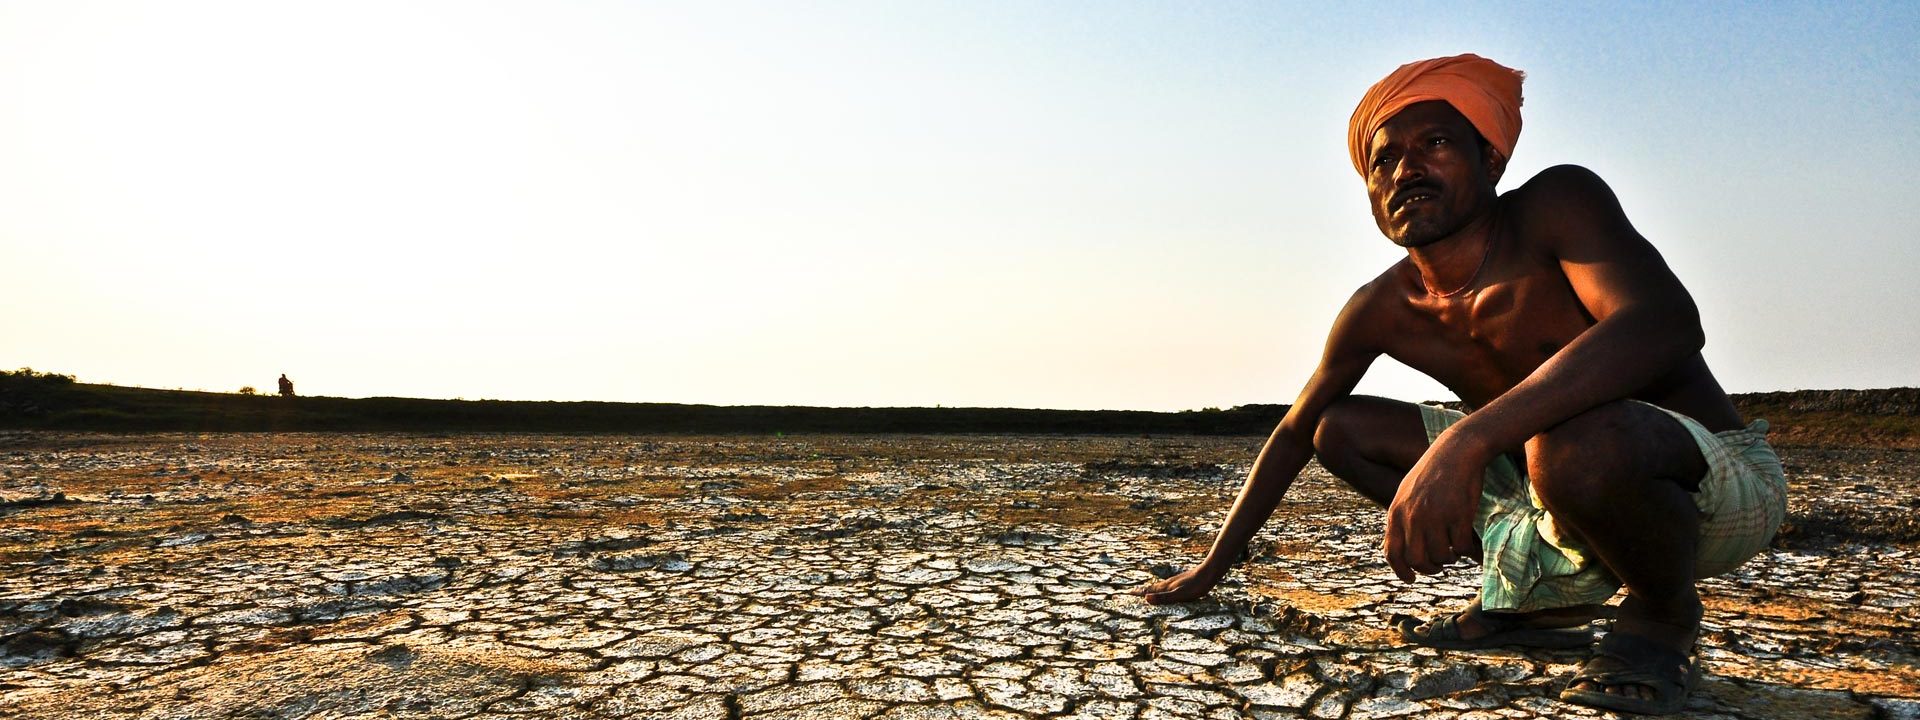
x: 1527, y: 565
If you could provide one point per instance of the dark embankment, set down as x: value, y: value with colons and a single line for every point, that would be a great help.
x: 55, y: 402
x: 28, y: 400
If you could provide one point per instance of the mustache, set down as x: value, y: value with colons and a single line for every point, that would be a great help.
x: 1400, y: 196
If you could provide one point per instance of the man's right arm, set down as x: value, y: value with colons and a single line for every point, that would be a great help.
x: 1349, y: 352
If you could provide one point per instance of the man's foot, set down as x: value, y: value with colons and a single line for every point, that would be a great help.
x: 1474, y: 628
x: 1641, y: 666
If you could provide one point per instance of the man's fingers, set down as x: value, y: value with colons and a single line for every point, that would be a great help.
x: 1165, y: 588
x: 1171, y: 594
x: 1423, y: 549
x: 1425, y: 568
x: 1163, y: 585
x: 1436, y: 553
x: 1400, y: 569
x: 1396, y: 551
x: 1464, y: 542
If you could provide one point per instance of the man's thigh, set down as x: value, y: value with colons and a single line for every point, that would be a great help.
x: 1617, y: 443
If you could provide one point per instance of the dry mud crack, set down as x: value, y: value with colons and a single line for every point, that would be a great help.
x: 500, y: 576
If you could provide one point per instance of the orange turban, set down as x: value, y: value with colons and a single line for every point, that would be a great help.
x: 1485, y: 91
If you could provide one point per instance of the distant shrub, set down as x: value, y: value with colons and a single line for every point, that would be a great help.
x: 248, y: 390
x: 27, y: 374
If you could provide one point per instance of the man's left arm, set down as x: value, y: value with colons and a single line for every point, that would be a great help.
x: 1646, y: 325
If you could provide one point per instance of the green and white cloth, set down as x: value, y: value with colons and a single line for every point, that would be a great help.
x: 1528, y: 565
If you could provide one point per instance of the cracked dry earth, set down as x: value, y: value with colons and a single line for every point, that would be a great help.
x: 505, y: 576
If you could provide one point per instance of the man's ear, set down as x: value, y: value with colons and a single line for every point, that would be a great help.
x: 1496, y: 163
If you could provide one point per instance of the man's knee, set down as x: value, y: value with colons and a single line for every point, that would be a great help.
x: 1377, y: 430
x: 1333, y: 436
x: 1348, y: 425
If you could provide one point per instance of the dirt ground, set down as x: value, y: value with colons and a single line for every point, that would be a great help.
x: 496, y: 576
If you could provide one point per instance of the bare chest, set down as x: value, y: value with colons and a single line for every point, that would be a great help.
x: 1483, y: 342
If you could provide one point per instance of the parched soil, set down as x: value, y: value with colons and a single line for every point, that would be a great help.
x: 484, y: 576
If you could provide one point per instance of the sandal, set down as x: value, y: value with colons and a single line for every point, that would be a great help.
x: 1444, y: 632
x: 1634, y: 660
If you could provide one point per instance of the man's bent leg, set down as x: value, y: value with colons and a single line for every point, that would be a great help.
x: 1617, y: 479
x: 1371, y: 443
x: 1517, y: 604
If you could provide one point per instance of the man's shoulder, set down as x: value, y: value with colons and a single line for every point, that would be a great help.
x: 1386, y: 291
x: 1563, y: 202
x: 1559, y: 184
x: 1373, y: 315
x: 1391, y: 281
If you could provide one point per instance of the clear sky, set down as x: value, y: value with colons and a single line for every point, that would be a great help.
x: 1028, y: 204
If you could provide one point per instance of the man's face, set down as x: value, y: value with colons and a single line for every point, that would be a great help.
x: 1428, y: 174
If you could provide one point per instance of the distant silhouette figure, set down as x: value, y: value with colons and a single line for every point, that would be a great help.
x: 286, y: 386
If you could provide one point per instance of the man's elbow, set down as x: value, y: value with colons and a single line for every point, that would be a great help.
x: 1296, y: 429
x: 1681, y: 332
x: 1661, y: 333
x: 1696, y: 338
x: 1689, y: 335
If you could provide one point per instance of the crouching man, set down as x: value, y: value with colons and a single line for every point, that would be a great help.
x: 1600, y: 451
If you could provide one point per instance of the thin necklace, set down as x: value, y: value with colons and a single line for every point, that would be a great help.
x: 1470, y: 278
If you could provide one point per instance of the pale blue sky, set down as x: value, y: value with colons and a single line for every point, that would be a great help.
x: 1079, y: 205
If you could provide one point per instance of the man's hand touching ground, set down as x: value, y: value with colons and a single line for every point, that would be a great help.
x: 1193, y: 584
